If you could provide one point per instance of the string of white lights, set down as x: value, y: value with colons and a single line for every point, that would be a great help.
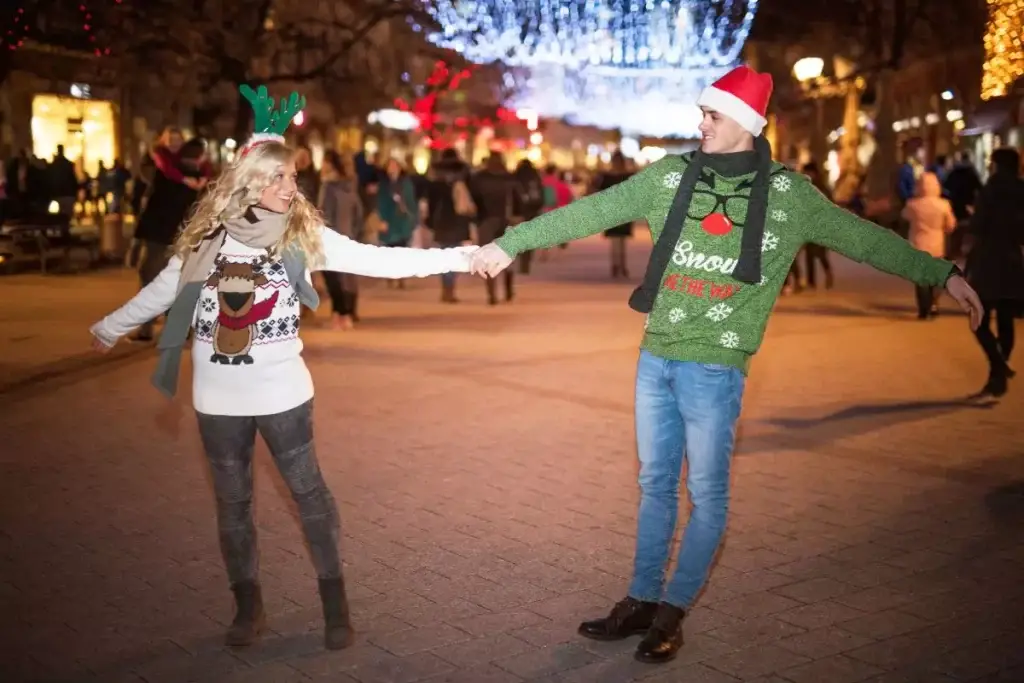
x: 635, y: 65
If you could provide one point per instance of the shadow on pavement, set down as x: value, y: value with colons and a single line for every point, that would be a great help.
x: 912, y: 409
x: 810, y: 433
x: 1006, y: 504
x: 51, y: 376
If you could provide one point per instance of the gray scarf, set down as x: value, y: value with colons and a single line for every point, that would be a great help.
x: 259, y: 229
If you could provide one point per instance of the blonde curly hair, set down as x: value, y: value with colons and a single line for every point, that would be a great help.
x: 239, y: 187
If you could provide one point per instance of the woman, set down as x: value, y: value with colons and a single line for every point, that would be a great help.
x: 995, y: 264
x: 162, y: 156
x: 929, y: 218
x: 342, y: 210
x: 240, y: 271
x: 620, y: 233
x: 168, y: 205
x: 397, y: 207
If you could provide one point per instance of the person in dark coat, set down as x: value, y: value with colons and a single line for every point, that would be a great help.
x: 620, y: 233
x: 450, y: 208
x: 342, y: 210
x: 494, y: 191
x: 168, y: 205
x: 961, y: 187
x: 529, y: 202
x: 308, y: 178
x: 815, y: 254
x: 995, y: 264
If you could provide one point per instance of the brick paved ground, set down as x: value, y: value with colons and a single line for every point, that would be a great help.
x: 484, y: 466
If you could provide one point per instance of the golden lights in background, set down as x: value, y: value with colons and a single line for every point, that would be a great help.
x: 1004, y: 49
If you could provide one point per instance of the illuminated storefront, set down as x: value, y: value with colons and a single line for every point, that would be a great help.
x: 87, y: 129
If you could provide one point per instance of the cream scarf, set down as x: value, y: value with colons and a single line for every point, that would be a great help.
x: 257, y: 228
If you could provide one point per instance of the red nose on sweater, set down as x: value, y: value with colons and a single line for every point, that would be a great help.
x: 717, y: 224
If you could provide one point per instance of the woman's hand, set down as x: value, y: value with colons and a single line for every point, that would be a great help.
x: 100, y: 346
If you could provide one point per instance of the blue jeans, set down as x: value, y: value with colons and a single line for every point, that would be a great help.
x: 691, y: 408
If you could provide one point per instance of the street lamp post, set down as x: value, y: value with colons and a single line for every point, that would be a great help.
x: 808, y: 71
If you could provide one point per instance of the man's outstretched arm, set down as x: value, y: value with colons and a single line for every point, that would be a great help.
x: 628, y: 201
x: 837, y: 229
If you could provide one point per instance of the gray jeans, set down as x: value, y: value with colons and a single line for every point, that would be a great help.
x: 229, y: 443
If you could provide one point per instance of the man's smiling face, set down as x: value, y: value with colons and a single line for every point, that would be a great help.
x: 721, y: 134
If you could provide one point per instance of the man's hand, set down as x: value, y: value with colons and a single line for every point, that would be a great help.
x: 489, y: 261
x: 968, y: 299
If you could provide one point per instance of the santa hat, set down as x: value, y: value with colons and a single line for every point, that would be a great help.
x: 742, y: 95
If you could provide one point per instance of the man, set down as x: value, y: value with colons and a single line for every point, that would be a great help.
x: 728, y: 223
x: 63, y: 182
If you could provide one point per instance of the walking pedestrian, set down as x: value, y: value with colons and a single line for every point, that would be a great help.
x: 343, y: 212
x: 995, y: 264
x: 930, y: 218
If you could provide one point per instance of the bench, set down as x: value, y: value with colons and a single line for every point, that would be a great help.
x: 42, y: 239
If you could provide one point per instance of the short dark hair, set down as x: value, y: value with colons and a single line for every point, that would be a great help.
x: 1006, y: 160
x: 193, y: 149
x: 334, y: 160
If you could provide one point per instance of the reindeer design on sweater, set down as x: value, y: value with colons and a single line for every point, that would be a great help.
x: 235, y: 329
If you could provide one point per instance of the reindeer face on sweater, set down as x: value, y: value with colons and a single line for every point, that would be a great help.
x: 236, y: 285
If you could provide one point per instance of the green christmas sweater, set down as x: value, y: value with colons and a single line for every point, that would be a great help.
x: 702, y: 313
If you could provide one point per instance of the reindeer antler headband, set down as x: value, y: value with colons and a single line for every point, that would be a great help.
x: 270, y: 119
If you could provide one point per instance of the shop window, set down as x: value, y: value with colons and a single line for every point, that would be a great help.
x: 85, y: 128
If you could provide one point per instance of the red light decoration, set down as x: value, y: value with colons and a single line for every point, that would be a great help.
x: 20, y: 29
x: 14, y: 36
x: 442, y: 81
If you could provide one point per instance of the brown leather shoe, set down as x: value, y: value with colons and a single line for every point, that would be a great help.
x: 629, y: 617
x: 665, y: 637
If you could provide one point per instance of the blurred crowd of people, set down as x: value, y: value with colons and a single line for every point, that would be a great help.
x: 944, y: 209
x: 31, y: 186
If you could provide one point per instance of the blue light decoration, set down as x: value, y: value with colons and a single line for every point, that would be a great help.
x: 634, y: 65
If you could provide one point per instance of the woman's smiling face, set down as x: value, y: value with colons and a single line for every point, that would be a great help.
x: 278, y: 195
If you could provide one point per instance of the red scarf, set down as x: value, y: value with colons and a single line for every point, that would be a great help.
x: 259, y: 311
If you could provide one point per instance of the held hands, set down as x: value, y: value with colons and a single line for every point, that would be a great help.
x: 489, y: 261
x: 966, y: 297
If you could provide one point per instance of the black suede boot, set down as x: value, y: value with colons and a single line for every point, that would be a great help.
x: 665, y: 637
x: 250, y: 619
x: 338, y: 633
x: 629, y: 617
x: 997, y: 384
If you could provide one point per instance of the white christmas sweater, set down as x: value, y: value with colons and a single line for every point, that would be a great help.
x: 251, y: 364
